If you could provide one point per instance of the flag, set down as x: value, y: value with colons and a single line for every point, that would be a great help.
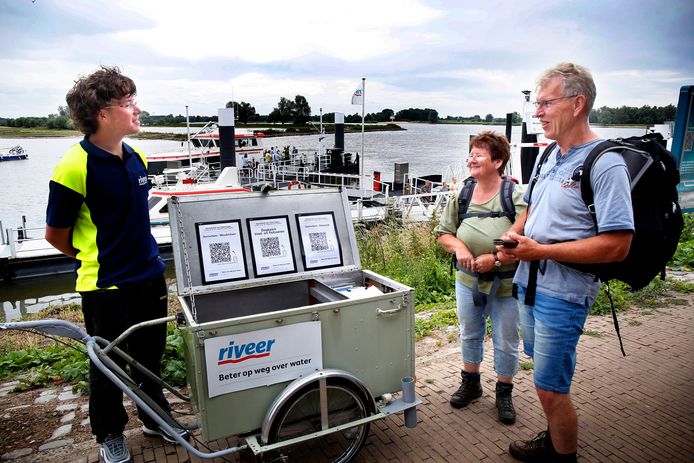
x: 358, y: 97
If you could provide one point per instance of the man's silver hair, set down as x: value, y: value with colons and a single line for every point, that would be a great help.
x: 577, y: 81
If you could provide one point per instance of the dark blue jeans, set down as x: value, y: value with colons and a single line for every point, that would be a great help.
x: 107, y: 313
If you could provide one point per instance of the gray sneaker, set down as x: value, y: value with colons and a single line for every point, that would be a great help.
x: 157, y: 431
x: 114, y: 450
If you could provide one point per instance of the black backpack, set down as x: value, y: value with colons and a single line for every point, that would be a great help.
x: 506, y: 193
x: 658, y: 219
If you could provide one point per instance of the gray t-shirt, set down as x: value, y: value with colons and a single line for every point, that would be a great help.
x: 558, y: 213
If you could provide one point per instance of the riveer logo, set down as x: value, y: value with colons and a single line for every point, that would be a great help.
x: 240, y: 353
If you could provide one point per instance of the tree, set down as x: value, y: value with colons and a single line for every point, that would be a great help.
x: 416, y: 114
x: 488, y: 118
x: 282, y: 112
x: 302, y: 111
x: 145, y: 118
x: 243, y: 112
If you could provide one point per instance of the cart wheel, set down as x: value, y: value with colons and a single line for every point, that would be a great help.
x: 301, y: 416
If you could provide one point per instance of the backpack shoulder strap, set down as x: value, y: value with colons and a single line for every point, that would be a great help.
x: 543, y: 158
x: 586, y: 188
x: 507, y: 187
x: 465, y: 197
x: 531, y: 284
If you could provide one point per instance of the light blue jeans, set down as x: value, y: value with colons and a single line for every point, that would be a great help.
x: 503, y: 312
x: 551, y: 330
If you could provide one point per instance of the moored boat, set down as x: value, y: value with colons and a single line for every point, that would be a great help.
x: 14, y: 153
x: 204, y: 147
x: 189, y: 183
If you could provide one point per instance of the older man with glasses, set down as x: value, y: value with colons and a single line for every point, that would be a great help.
x: 557, y: 227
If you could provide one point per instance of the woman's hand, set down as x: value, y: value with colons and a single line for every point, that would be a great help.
x: 484, y: 263
x: 465, y: 258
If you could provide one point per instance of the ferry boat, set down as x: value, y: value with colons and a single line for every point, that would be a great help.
x: 15, y: 153
x: 194, y: 181
x: 204, y: 146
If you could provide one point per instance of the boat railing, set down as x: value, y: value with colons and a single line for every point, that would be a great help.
x: 17, y: 238
x: 209, y: 127
x: 456, y: 172
x: 379, y: 187
x: 416, y: 185
x: 422, y: 205
x: 202, y: 172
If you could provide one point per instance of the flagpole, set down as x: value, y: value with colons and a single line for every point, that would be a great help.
x: 363, y: 154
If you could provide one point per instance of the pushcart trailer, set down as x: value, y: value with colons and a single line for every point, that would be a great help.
x: 288, y: 343
x: 286, y: 337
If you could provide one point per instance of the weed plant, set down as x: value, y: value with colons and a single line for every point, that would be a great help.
x: 408, y: 253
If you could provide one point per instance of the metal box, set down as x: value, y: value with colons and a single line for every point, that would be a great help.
x: 271, y: 289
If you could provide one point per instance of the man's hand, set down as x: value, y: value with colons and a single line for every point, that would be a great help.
x: 606, y: 247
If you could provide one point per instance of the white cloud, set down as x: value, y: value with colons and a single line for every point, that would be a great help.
x: 265, y: 31
x: 456, y: 56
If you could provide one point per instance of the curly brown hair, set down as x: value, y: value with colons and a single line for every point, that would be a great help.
x: 497, y: 145
x: 94, y: 92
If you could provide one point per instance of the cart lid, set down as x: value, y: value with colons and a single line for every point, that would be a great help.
x: 235, y: 240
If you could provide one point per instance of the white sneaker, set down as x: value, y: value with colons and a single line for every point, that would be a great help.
x: 114, y: 450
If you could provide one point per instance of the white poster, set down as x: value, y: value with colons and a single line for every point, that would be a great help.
x: 221, y: 251
x: 319, y: 241
x: 271, y: 245
x: 264, y: 357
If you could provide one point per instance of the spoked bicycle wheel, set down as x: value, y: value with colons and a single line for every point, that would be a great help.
x: 301, y: 416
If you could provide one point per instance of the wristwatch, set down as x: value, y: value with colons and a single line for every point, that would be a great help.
x: 497, y: 262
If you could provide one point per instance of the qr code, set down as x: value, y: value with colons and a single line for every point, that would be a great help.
x: 220, y: 253
x: 270, y: 247
x: 319, y: 242
x: 688, y: 140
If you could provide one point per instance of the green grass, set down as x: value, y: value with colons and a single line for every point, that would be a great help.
x: 525, y: 365
x: 43, y: 132
x: 592, y: 333
x: 58, y: 363
x: 36, y: 132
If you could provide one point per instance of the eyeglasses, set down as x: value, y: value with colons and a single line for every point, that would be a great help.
x: 130, y: 105
x: 544, y: 104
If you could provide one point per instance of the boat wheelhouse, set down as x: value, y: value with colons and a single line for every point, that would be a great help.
x: 204, y: 147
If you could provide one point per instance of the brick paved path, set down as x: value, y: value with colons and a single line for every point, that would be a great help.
x: 634, y: 409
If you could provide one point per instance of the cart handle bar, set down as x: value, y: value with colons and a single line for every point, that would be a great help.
x: 135, y: 327
x: 72, y: 331
x: 91, y: 346
x: 51, y: 326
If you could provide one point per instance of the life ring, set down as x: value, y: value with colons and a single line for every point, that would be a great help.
x: 292, y: 183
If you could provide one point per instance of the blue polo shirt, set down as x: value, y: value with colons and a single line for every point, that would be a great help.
x: 104, y: 200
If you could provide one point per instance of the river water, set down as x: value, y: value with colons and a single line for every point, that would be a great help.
x: 24, y: 184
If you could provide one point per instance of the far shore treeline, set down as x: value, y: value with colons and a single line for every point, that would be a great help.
x: 297, y: 113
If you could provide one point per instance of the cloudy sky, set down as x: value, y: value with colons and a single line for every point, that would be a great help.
x: 458, y: 57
